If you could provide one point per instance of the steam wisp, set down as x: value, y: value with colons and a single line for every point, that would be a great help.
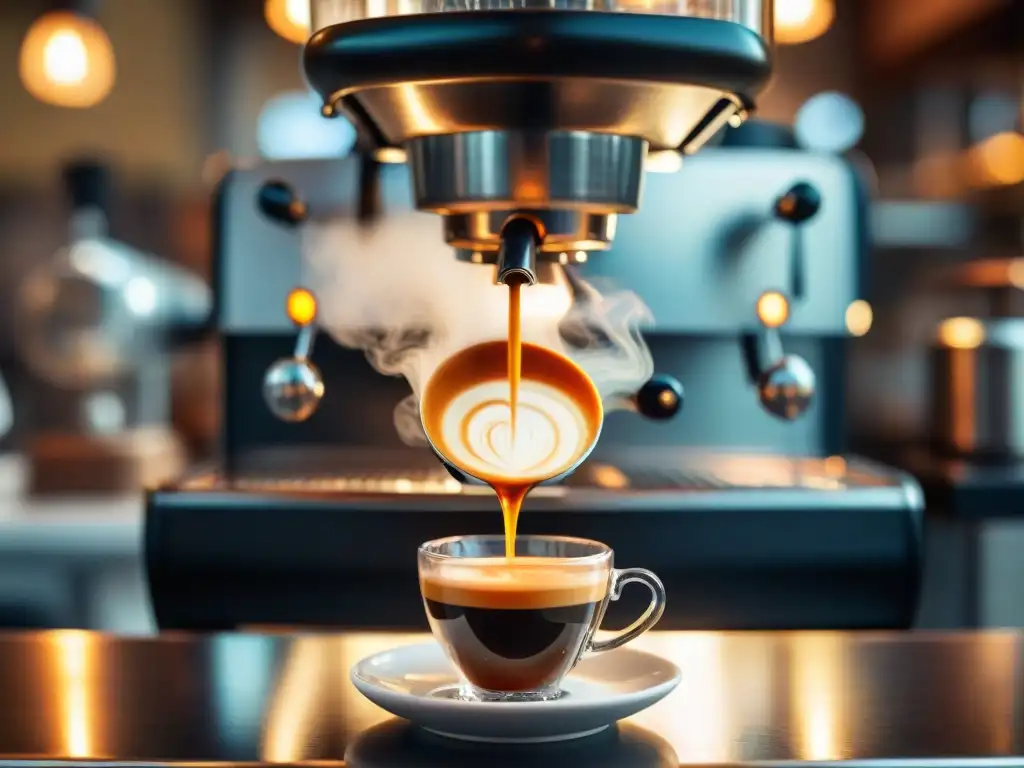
x: 395, y: 291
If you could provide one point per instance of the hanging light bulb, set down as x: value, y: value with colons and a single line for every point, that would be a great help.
x: 67, y: 60
x: 800, y: 21
x: 288, y: 18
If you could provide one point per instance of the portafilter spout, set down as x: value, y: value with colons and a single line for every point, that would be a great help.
x: 517, y: 253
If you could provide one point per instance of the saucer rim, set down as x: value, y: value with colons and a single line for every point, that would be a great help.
x: 668, y: 685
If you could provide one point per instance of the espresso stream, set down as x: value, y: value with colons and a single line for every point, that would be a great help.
x: 511, y: 414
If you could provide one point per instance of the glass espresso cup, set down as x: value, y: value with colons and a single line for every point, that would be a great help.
x: 515, y: 627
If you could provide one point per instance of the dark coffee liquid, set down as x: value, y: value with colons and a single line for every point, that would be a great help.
x: 513, y: 627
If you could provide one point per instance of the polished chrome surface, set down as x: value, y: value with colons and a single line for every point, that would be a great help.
x: 977, y: 395
x: 517, y: 256
x: 293, y: 389
x: 754, y: 14
x: 873, y: 699
x: 496, y: 170
x: 787, y: 388
x: 664, y: 114
x: 565, y: 233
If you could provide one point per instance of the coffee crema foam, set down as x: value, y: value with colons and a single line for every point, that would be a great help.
x: 550, y: 435
x: 466, y: 413
x: 523, y: 582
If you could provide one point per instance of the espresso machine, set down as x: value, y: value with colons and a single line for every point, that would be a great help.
x: 524, y: 128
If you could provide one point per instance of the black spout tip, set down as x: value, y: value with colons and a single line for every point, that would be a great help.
x: 660, y: 398
x: 278, y: 201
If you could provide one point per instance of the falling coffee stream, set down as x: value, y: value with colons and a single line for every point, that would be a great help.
x: 511, y: 497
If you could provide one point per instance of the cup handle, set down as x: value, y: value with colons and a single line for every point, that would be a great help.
x: 649, y: 618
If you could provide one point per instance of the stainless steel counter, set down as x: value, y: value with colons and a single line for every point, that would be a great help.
x: 880, y: 698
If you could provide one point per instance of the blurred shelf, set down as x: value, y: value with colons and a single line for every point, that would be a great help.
x: 67, y: 527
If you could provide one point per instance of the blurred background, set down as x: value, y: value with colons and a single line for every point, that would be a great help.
x: 120, y: 118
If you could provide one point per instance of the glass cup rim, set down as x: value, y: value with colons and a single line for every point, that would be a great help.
x: 604, y: 551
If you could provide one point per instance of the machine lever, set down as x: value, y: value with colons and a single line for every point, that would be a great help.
x: 278, y: 201
x: 293, y: 386
x: 785, y: 383
x: 798, y: 205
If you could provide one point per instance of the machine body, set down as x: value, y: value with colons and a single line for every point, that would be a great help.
x: 752, y: 521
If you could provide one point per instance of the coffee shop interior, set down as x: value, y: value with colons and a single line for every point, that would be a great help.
x: 243, y: 242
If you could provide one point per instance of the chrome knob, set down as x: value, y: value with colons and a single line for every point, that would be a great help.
x: 293, y: 388
x: 786, y: 389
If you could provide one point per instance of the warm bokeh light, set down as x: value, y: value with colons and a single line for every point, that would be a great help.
x: 962, y: 333
x: 301, y: 307
x: 665, y: 161
x: 289, y: 19
x: 772, y: 309
x: 67, y: 60
x: 390, y: 155
x: 859, y: 317
x: 998, y: 161
x: 800, y: 21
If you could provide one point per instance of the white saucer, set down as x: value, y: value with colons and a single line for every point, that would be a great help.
x: 418, y: 683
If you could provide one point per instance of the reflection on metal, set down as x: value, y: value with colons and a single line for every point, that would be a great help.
x: 818, y: 689
x: 243, y: 672
x: 74, y: 669
x: 697, y: 727
x: 765, y: 698
x: 296, y: 702
x: 313, y: 695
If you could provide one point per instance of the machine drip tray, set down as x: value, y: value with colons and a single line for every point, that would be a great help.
x: 741, y: 542
x: 622, y: 480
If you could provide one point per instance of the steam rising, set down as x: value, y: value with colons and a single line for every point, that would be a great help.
x: 396, y: 291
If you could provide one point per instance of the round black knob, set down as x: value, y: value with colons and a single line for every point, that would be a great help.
x: 278, y: 201
x: 660, y: 398
x: 799, y: 204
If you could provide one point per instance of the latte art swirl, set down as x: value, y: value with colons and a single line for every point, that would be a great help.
x: 551, y: 431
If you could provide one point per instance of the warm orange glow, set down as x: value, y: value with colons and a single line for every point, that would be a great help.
x: 664, y: 161
x: 390, y: 155
x: 998, y: 161
x: 289, y: 19
x: 800, y: 21
x: 74, y: 652
x: 772, y: 309
x: 301, y: 306
x: 962, y: 333
x: 67, y: 60
x: 612, y: 478
x: 859, y: 317
x: 817, y: 682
